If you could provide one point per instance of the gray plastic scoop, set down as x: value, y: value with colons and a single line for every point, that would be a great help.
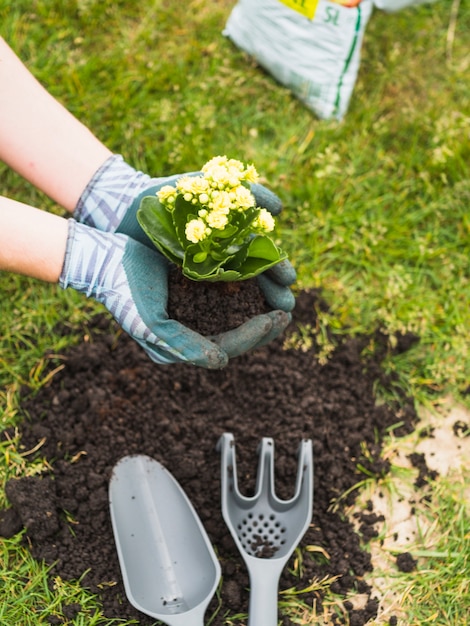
x: 168, y: 565
x: 265, y: 529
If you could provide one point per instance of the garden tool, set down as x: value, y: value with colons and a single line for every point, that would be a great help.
x: 168, y: 565
x: 265, y: 529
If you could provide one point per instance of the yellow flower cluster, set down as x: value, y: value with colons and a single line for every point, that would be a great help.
x: 264, y: 221
x: 226, y: 173
x: 218, y: 191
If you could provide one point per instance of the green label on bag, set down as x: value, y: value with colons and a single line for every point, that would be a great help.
x: 306, y: 7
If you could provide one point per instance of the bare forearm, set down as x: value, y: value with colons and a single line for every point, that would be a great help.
x: 32, y: 242
x: 40, y: 139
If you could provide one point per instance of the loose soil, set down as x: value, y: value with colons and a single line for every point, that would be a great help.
x: 237, y: 302
x: 110, y: 400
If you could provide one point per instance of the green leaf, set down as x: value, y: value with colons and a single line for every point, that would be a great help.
x: 218, y: 256
x: 263, y: 247
x: 221, y: 275
x: 262, y: 253
x: 227, y: 232
x: 156, y: 221
x: 237, y: 259
x: 252, y: 267
x: 202, y: 269
x: 200, y: 257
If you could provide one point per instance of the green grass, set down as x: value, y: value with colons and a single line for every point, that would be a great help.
x: 438, y: 591
x: 376, y: 207
x: 445, y: 574
x: 33, y: 597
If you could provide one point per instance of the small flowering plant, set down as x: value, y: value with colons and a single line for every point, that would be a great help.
x: 209, y: 223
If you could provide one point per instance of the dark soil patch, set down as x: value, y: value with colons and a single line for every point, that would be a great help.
x: 110, y: 400
x: 237, y: 302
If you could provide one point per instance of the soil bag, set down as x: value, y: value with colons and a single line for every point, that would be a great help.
x: 313, y: 50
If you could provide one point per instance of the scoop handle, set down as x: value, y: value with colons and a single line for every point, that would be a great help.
x: 263, y: 606
x: 264, y: 582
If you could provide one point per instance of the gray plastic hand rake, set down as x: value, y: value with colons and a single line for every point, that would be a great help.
x: 265, y: 529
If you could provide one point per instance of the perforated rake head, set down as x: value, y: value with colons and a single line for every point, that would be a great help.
x: 265, y: 529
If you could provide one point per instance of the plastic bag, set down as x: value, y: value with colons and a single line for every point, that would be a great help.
x: 317, y: 59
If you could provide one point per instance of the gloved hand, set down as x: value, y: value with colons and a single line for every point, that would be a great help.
x: 131, y: 280
x: 112, y: 198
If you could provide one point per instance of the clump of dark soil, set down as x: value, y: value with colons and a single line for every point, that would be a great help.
x: 424, y: 473
x: 110, y: 400
x: 405, y: 562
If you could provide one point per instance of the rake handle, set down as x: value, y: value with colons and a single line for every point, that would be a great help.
x: 264, y: 581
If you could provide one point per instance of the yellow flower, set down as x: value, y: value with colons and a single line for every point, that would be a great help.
x: 191, y: 186
x: 167, y: 194
x: 234, y: 176
x: 217, y: 219
x: 217, y: 161
x: 243, y: 198
x: 222, y: 172
x: 196, y: 230
x: 218, y: 177
x: 198, y: 185
x: 264, y: 221
x: 221, y: 202
x: 251, y: 174
x: 235, y: 164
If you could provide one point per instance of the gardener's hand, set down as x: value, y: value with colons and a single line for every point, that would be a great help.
x: 112, y: 197
x: 131, y: 280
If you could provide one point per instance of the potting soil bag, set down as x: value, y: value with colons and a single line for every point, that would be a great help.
x: 391, y: 6
x: 316, y: 57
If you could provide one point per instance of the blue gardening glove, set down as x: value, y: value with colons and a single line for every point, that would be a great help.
x: 110, y: 202
x: 131, y: 280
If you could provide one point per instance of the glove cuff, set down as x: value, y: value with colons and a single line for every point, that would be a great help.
x: 109, y: 194
x: 91, y: 259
